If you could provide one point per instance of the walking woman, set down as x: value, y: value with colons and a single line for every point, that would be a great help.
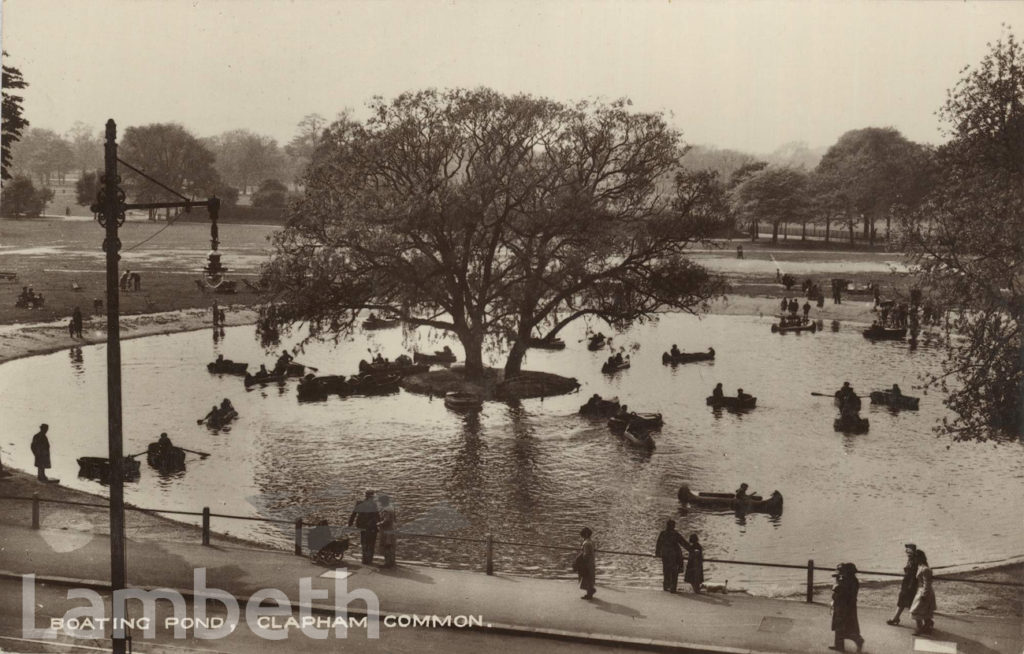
x: 844, y: 608
x: 586, y: 564
x: 923, y: 607
x: 694, y: 574
x: 908, y: 587
x: 669, y: 549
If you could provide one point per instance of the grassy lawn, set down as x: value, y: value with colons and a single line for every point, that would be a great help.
x: 51, y: 254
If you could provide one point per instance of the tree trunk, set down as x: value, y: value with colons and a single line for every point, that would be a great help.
x: 803, y: 233
x: 473, y: 343
x: 851, y: 231
x: 775, y: 232
x: 828, y: 225
x: 514, y: 363
x: 888, y: 225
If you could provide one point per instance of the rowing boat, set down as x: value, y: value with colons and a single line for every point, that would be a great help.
x: 227, y: 367
x: 439, y: 356
x: 601, y: 408
x: 731, y: 402
x: 610, y: 368
x: 887, y: 398
x: 772, y: 505
x: 668, y: 358
x: 636, y: 421
x: 854, y: 425
x: 462, y: 401
x: 878, y: 333
x: 639, y: 439
x: 98, y: 468
x: 546, y: 343
x: 166, y: 461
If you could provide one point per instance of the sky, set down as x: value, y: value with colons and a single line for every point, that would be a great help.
x: 745, y: 75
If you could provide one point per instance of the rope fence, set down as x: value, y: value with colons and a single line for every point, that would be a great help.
x: 489, y: 542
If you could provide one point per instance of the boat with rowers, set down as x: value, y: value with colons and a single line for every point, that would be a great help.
x: 750, y: 503
x: 675, y: 357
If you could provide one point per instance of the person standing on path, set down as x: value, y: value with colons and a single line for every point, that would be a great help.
x: 387, y: 525
x: 669, y: 549
x: 76, y: 319
x: 923, y: 607
x: 41, y: 451
x: 586, y: 564
x: 365, y: 517
x: 908, y: 587
x: 695, y: 566
x: 844, y: 608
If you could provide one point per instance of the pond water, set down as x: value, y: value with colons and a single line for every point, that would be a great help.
x: 537, y: 472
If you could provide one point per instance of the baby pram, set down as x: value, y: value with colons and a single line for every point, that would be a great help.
x: 324, y: 548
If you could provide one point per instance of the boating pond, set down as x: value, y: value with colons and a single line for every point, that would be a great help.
x: 536, y: 472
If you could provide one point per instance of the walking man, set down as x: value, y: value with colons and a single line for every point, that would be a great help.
x: 365, y: 517
x: 41, y: 451
x: 669, y: 548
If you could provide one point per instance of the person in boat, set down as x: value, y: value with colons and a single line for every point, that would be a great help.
x: 617, y: 359
x: 741, y: 493
x: 379, y: 358
x: 718, y: 393
x: 213, y: 416
x: 447, y: 351
x: 164, y: 446
x: 226, y: 408
x: 594, y: 401
x: 282, y: 363
x: 624, y: 413
x: 373, y: 317
x: 895, y: 391
x: 711, y: 351
x: 263, y: 372
x: 403, y: 360
x: 674, y: 352
x: 220, y: 359
x: 794, y: 306
x: 741, y: 396
x: 694, y: 574
x: 669, y: 549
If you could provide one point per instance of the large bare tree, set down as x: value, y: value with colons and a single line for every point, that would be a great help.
x: 489, y: 216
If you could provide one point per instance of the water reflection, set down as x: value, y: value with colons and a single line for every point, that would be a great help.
x: 77, y: 361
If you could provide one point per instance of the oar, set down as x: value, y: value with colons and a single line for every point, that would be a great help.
x: 305, y: 366
x: 201, y: 454
x: 823, y: 394
x: 132, y: 456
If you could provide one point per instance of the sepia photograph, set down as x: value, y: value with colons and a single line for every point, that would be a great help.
x: 556, y: 326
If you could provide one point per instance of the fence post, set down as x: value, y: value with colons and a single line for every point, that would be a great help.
x: 298, y: 537
x: 35, y: 510
x: 206, y: 525
x: 810, y: 580
x: 490, y: 554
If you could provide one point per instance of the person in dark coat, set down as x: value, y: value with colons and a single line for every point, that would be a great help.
x: 586, y: 564
x: 669, y: 549
x: 908, y: 587
x: 844, y: 608
x: 41, y: 451
x: 694, y: 574
x: 365, y: 517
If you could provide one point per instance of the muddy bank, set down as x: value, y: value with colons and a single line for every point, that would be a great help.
x: 23, y: 340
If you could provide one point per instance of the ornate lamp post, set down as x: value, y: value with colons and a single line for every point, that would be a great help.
x: 111, y: 207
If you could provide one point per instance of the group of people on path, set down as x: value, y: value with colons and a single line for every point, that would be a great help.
x: 372, y: 516
x: 669, y: 548
x: 130, y: 281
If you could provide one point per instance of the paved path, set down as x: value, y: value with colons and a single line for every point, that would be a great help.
x: 706, y: 622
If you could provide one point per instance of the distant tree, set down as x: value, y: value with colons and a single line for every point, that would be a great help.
x: 44, y: 154
x: 13, y: 122
x: 87, y: 187
x: 774, y: 195
x: 488, y: 216
x: 795, y: 154
x: 244, y: 157
x: 702, y: 198
x: 966, y: 242
x: 86, y: 147
x: 722, y: 161
x: 20, y: 197
x: 302, y: 146
x: 170, y: 154
x: 271, y: 193
x: 876, y: 169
